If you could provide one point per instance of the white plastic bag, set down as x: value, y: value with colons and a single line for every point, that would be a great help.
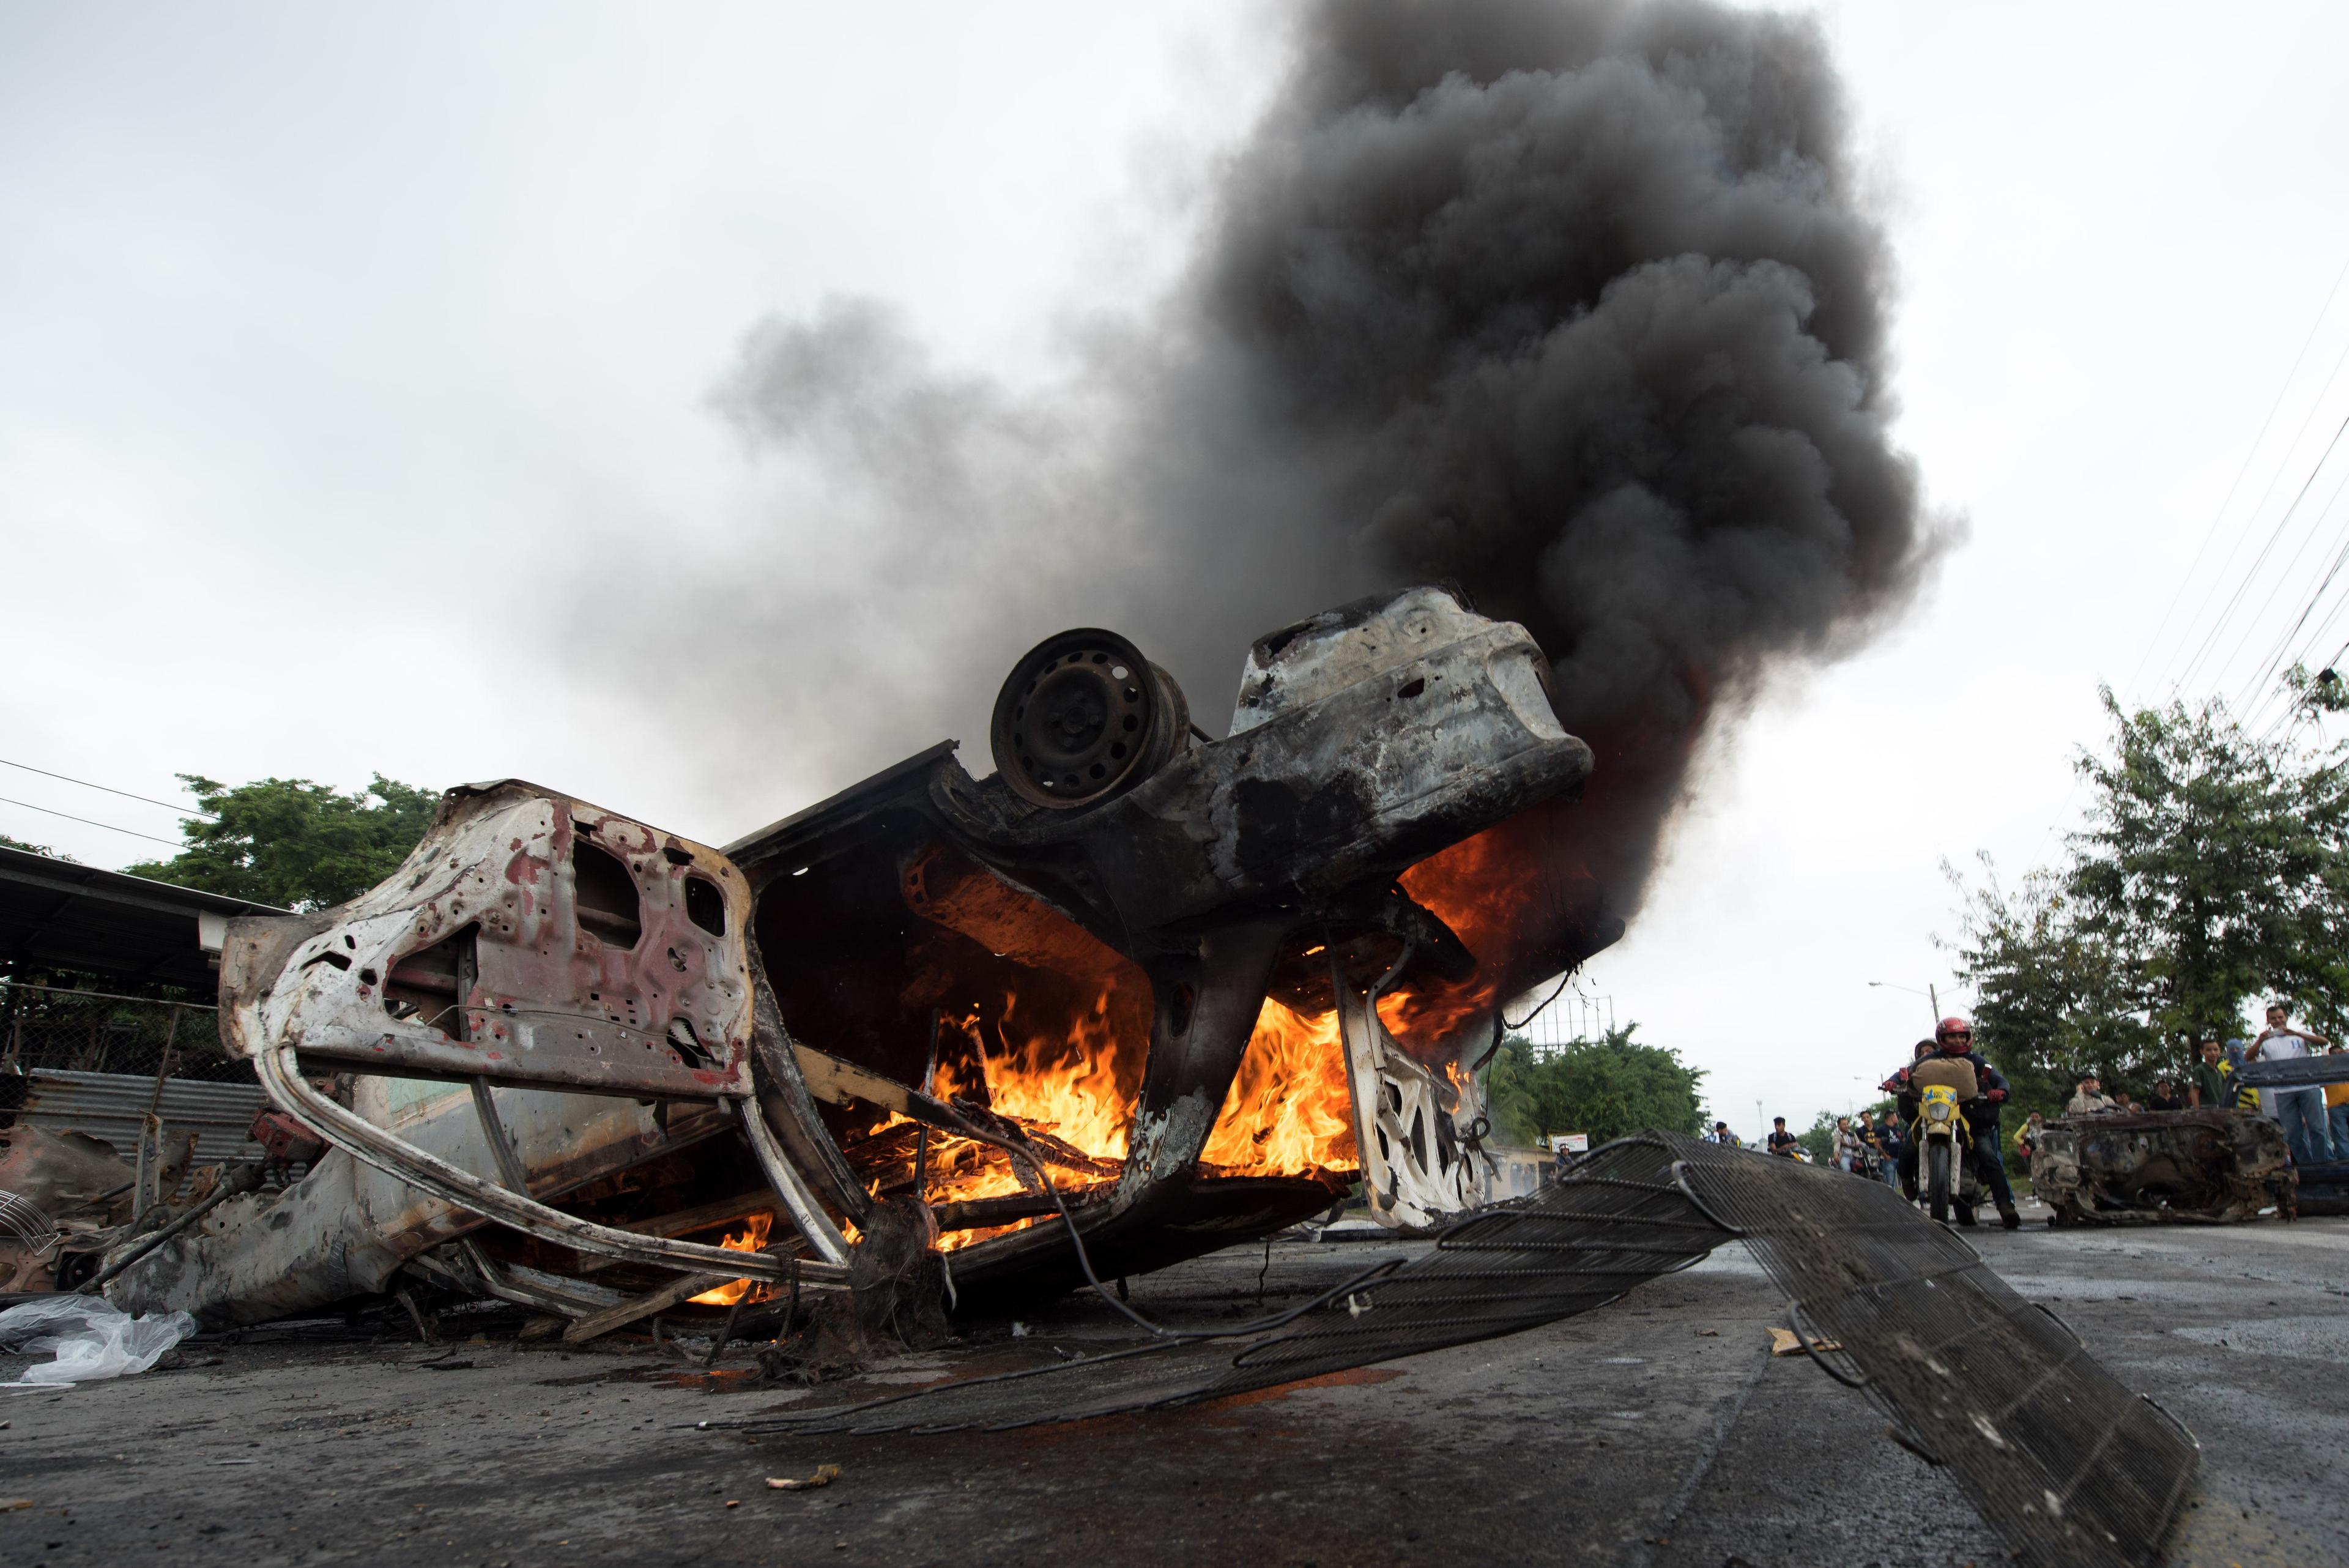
x: 93, y: 1339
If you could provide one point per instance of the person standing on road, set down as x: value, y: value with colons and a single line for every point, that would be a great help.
x: 2165, y: 1096
x: 2026, y: 1142
x: 2300, y: 1111
x: 2336, y: 1112
x: 1891, y: 1142
x: 2213, y: 1088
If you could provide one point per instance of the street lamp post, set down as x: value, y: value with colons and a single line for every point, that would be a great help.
x: 1932, y: 994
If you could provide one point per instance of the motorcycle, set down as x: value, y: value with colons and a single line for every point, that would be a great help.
x: 1945, y: 1167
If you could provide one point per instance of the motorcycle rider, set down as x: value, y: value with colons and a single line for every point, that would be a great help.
x: 1953, y: 1040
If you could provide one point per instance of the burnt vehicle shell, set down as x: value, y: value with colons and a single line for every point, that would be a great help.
x: 2202, y: 1166
x: 1363, y: 740
x: 629, y: 993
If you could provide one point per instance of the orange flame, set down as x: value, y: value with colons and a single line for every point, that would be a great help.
x: 1288, y: 1112
x: 1519, y: 897
x: 1068, y: 1082
x: 752, y: 1238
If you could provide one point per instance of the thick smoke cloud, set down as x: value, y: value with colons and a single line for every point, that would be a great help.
x: 1577, y: 306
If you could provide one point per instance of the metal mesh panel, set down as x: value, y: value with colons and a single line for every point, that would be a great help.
x: 2065, y: 1462
x: 2058, y: 1457
x: 1618, y: 1220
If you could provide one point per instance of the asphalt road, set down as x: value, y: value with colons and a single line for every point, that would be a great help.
x: 1654, y: 1432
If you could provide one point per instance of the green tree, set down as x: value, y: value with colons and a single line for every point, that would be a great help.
x: 2053, y: 1000
x: 2323, y: 692
x: 1606, y: 1087
x: 2212, y: 868
x: 2212, y: 864
x: 293, y: 843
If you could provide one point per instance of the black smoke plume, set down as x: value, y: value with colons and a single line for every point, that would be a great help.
x: 1578, y: 306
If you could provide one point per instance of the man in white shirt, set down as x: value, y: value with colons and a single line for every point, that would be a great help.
x: 2301, y: 1111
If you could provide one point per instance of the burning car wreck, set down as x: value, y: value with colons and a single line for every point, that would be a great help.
x: 1186, y: 990
x: 1139, y: 995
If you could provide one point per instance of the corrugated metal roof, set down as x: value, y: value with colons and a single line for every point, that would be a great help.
x: 84, y: 917
x: 109, y: 1104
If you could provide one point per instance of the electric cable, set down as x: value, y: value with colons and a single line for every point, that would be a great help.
x: 150, y: 800
x: 2253, y: 691
x: 2226, y: 615
x: 2220, y: 578
x: 2220, y: 517
x: 90, y: 822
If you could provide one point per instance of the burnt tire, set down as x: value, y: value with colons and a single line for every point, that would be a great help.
x: 1937, y: 1182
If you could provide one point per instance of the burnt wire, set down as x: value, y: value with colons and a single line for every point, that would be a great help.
x: 1160, y: 1330
x: 1558, y: 991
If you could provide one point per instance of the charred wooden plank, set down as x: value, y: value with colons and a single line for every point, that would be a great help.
x: 977, y: 1213
x: 643, y: 1307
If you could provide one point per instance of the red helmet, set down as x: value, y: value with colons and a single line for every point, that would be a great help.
x: 1955, y: 1032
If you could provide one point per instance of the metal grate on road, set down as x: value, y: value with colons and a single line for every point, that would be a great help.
x: 2061, y: 1459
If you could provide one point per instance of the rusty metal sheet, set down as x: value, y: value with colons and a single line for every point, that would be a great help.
x: 530, y: 938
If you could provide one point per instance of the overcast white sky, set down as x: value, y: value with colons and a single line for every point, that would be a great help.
x: 335, y: 344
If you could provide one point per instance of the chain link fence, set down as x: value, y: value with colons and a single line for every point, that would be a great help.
x: 54, y: 1029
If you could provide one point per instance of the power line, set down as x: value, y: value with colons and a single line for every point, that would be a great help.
x: 150, y: 800
x: 2227, y: 614
x: 2220, y: 578
x: 2221, y: 515
x: 2255, y: 691
x: 110, y: 827
x: 2292, y: 573
x: 2262, y: 690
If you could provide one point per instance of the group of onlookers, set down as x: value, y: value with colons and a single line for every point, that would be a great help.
x: 1862, y: 1145
x: 2315, y: 1121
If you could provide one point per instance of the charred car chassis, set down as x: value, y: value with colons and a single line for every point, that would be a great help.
x: 607, y: 1040
x: 2211, y: 1165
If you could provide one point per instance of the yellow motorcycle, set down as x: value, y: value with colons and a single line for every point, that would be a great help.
x: 1944, y: 1145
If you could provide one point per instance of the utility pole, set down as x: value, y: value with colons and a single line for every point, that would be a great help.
x: 1932, y: 994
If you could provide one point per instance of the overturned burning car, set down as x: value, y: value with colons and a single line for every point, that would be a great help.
x: 1184, y: 991
x: 1138, y: 995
